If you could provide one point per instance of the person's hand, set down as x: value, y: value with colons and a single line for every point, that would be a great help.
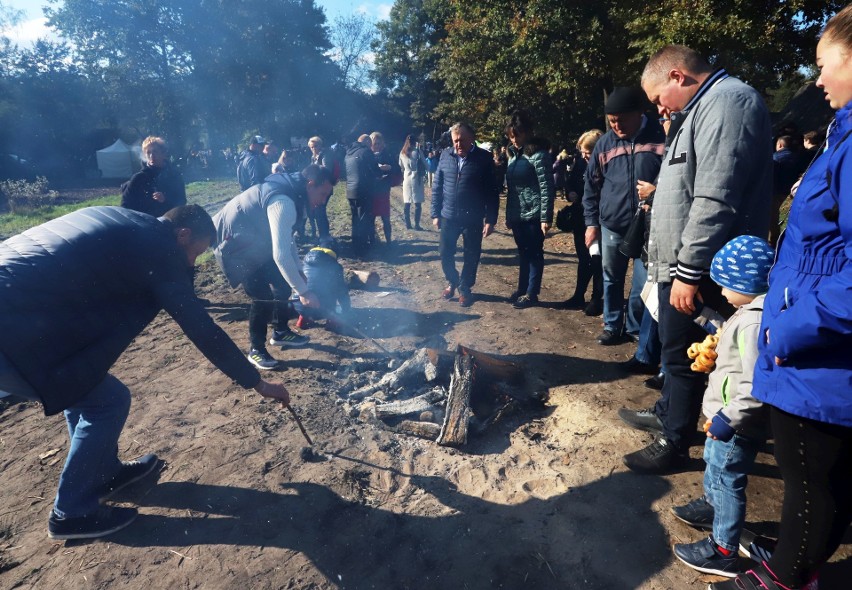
x: 487, y: 230
x: 159, y: 197
x: 544, y: 228
x: 385, y: 167
x: 682, y: 297
x: 273, y: 390
x: 644, y: 189
x: 309, y: 299
x: 573, y: 196
x: 778, y: 361
x: 592, y: 234
x: 437, y: 222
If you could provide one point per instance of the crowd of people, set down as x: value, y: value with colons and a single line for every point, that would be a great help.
x: 728, y: 314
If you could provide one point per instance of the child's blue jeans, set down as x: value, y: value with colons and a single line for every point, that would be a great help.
x: 725, y: 481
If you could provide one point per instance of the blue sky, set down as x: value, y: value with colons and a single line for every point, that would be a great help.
x: 32, y: 26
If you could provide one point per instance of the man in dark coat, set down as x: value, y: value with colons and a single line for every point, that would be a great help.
x: 362, y: 174
x: 253, y: 167
x: 465, y: 200
x: 75, y: 292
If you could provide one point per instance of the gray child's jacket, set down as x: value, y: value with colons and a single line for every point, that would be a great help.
x: 729, y: 386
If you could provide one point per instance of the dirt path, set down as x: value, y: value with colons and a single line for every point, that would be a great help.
x: 542, y: 500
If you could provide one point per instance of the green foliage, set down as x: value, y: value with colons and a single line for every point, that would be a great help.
x: 21, y: 196
x: 407, y: 53
x: 558, y: 58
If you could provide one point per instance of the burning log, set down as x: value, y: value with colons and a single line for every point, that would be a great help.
x: 415, y: 405
x: 415, y: 368
x: 454, y: 430
x: 428, y: 430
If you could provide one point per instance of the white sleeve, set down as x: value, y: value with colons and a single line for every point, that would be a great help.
x: 282, y: 217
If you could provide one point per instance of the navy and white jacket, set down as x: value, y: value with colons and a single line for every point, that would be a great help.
x: 715, y: 181
x: 467, y: 196
x: 610, y: 198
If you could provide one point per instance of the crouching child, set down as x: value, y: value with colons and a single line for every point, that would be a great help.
x: 325, y: 279
x: 736, y: 423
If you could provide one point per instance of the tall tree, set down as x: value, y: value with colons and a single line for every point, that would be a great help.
x: 407, y: 55
x: 550, y: 57
x: 352, y: 39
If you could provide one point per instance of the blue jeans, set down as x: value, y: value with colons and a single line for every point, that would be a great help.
x: 94, y: 425
x: 530, y: 241
x: 614, y: 273
x: 649, y: 348
x: 472, y: 250
x: 725, y: 481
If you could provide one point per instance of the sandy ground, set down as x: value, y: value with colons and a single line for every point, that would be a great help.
x: 541, y: 500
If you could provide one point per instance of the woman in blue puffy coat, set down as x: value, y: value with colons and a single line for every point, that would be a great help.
x: 804, y: 367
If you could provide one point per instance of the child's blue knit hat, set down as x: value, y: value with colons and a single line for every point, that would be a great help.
x: 743, y: 264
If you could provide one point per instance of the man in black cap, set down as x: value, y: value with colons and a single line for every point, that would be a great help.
x: 630, y: 151
x: 252, y: 168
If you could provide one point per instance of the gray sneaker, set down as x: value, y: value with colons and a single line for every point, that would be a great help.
x: 288, y: 338
x: 261, y: 359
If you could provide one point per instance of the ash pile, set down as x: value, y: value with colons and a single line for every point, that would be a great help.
x: 436, y: 394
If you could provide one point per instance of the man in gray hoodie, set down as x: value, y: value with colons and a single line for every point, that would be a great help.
x: 715, y: 184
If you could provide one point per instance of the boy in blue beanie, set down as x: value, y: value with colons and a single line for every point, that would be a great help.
x: 736, y: 422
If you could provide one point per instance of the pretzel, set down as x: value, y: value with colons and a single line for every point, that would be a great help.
x: 704, y: 354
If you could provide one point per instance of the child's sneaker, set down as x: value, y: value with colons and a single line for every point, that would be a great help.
x: 261, y: 359
x: 707, y: 557
x: 288, y: 338
x: 698, y: 513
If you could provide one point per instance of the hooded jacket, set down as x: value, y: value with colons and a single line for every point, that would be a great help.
x: 326, y: 279
x: 75, y: 292
x: 729, y: 387
x: 808, y: 309
x: 529, y: 177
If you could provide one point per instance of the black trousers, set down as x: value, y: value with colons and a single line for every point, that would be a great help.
x: 363, y: 224
x: 589, y: 268
x: 683, y: 390
x: 270, y: 295
x: 815, y: 459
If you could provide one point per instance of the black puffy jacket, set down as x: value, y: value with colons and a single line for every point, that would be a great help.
x: 75, y: 291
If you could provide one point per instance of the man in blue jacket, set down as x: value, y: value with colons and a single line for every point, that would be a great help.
x: 75, y: 292
x: 465, y: 200
x: 630, y: 151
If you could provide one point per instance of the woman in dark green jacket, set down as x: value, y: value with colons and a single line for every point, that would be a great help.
x: 529, y: 205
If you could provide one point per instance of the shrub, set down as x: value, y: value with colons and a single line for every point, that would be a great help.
x: 22, y: 196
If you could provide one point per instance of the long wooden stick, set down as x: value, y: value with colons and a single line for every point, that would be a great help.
x: 299, y: 424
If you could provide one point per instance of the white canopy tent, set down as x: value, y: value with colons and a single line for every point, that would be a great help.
x: 118, y: 160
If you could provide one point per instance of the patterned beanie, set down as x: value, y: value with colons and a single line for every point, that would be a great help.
x: 743, y: 264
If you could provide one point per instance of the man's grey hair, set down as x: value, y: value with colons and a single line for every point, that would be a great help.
x: 673, y: 57
x: 462, y: 126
